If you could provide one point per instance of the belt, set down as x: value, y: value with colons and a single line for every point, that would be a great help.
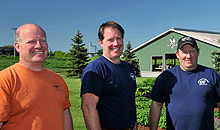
x: 119, y: 129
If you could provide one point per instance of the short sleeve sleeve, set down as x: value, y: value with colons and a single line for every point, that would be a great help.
x: 4, y: 103
x: 158, y: 90
x: 92, y: 83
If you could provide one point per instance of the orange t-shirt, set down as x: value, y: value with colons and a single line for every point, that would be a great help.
x: 31, y: 100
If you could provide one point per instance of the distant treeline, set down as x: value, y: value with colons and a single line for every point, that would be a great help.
x: 9, y: 51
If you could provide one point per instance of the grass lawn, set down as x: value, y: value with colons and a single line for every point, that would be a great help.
x: 75, y: 100
x: 6, y: 61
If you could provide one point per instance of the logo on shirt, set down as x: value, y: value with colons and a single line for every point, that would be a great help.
x: 56, y: 85
x: 132, y: 76
x: 203, y: 81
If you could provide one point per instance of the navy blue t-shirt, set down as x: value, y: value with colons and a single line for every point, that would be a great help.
x: 189, y: 97
x: 115, y: 85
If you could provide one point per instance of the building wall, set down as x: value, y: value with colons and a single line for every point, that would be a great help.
x: 160, y: 47
x: 205, y: 53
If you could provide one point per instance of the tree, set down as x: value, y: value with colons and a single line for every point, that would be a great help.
x: 78, y: 56
x: 99, y: 53
x: 50, y: 53
x: 9, y: 46
x: 130, y: 58
x: 216, y: 60
x: 58, y: 53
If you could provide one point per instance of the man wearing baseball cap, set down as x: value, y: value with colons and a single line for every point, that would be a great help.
x: 189, y: 91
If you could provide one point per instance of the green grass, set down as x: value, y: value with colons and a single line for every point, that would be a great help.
x: 75, y: 100
x: 58, y: 65
x: 6, y: 61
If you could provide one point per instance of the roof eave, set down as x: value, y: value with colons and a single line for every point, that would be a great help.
x: 153, y: 39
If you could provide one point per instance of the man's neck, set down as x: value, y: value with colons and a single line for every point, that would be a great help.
x: 115, y: 60
x: 33, y: 66
x: 189, y: 69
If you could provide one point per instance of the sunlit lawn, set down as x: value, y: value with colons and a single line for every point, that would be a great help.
x: 75, y: 100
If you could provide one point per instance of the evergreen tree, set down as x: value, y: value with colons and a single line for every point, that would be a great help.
x: 130, y: 58
x: 78, y: 56
x: 216, y: 60
x: 100, y: 52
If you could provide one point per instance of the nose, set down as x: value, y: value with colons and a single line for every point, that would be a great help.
x: 188, y: 55
x: 115, y: 42
x: 38, y: 44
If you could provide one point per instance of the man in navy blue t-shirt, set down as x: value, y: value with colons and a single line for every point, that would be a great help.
x: 108, y: 85
x: 189, y: 92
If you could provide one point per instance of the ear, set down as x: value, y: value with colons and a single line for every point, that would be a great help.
x: 17, y: 47
x: 177, y: 54
x: 198, y: 52
x: 100, y: 42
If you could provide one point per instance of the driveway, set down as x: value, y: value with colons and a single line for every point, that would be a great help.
x: 150, y: 74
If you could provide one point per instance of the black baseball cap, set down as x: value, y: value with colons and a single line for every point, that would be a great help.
x: 187, y: 40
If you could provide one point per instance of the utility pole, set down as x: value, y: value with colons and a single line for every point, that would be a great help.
x: 13, y: 45
x: 90, y: 51
x: 94, y: 46
x: 90, y: 48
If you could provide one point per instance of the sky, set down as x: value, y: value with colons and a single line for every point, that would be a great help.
x: 142, y: 20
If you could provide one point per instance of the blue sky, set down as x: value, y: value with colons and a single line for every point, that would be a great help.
x: 141, y: 19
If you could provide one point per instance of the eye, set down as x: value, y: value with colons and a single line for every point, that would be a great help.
x: 119, y: 38
x: 32, y: 42
x: 43, y: 41
x: 111, y: 40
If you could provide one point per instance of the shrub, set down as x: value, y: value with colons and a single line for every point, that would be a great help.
x: 144, y: 88
x: 216, y: 124
x: 143, y: 109
x: 143, y: 104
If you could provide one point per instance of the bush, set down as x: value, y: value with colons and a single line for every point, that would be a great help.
x: 216, y: 124
x: 144, y: 88
x: 143, y: 103
x: 143, y: 109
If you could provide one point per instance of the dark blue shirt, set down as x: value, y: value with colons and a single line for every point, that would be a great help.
x: 189, y: 97
x: 115, y: 85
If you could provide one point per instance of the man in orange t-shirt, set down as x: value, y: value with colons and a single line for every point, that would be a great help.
x: 33, y: 97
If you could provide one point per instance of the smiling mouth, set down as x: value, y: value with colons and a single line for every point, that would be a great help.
x: 188, y: 61
x: 40, y: 52
x: 115, y: 49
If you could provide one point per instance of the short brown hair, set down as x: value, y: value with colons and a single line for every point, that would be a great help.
x: 110, y: 24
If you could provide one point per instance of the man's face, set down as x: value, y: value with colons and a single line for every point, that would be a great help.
x: 188, y: 57
x: 33, y: 46
x: 112, y: 44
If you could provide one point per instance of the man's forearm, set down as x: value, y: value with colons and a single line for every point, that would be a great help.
x: 68, y: 122
x: 135, y: 126
x: 1, y: 124
x: 155, y: 112
x: 91, y: 118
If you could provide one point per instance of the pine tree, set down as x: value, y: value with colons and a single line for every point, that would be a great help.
x: 129, y: 57
x: 216, y: 60
x: 78, y: 56
x: 100, y: 52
